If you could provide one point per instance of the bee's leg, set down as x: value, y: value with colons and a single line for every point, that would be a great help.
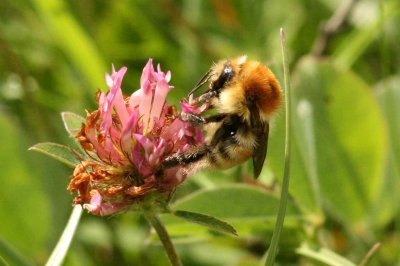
x: 193, y: 119
x: 215, y: 118
x: 204, y: 97
x: 185, y: 158
x: 200, y: 120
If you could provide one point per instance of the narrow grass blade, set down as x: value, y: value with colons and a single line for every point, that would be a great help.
x: 14, y: 257
x: 286, y: 177
x: 325, y: 256
x: 61, y: 249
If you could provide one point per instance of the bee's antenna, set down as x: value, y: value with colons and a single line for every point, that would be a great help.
x: 203, y: 80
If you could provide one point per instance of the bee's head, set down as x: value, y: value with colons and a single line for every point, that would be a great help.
x: 224, y: 72
x: 221, y: 77
x: 220, y: 74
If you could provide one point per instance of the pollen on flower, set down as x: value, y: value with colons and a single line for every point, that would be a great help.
x: 125, y: 141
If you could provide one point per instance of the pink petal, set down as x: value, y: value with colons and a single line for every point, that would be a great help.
x: 168, y: 76
x: 112, y: 154
x: 157, y: 153
x: 144, y: 168
x: 120, y: 108
x: 144, y: 111
x: 174, y: 177
x: 160, y: 95
x: 170, y: 132
x: 91, y: 134
x: 126, y: 136
x: 115, y: 96
x: 147, y: 74
x: 109, y: 80
x: 95, y: 203
x: 145, y: 142
x: 134, y: 99
x: 136, y: 154
x: 105, y: 112
x: 111, y: 208
x: 98, y: 207
x: 186, y: 147
x: 188, y: 108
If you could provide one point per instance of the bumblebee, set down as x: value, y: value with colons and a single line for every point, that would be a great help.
x: 245, y: 95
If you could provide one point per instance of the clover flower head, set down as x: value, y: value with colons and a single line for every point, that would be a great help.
x: 126, y: 140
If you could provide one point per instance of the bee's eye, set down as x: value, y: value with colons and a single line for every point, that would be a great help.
x: 230, y: 129
x: 225, y: 76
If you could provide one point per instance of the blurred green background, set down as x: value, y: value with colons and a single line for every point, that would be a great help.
x: 345, y: 187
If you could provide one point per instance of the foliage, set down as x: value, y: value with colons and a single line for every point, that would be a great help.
x: 345, y: 175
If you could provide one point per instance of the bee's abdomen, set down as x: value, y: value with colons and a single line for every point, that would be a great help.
x: 231, y: 144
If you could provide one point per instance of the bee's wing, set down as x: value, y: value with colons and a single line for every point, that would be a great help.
x: 261, y: 151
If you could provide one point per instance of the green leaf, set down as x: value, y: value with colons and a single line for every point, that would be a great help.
x: 350, y: 137
x: 387, y: 205
x: 324, y: 255
x: 207, y: 221
x: 246, y: 208
x: 59, y: 152
x: 72, y: 122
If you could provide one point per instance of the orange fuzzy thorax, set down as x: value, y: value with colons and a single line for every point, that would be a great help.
x: 261, y: 86
x: 254, y: 82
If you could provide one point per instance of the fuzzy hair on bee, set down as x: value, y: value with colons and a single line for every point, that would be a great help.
x: 245, y: 94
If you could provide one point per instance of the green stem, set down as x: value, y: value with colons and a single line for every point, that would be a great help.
x: 285, y: 183
x: 165, y: 239
x: 370, y: 253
